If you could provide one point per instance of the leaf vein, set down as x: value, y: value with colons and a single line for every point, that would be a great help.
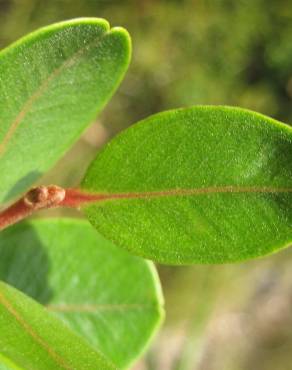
x: 41, y: 89
x: 54, y: 355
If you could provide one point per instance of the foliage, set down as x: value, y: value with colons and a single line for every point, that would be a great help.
x: 32, y: 338
x: 204, y: 184
x: 65, y: 73
x: 197, y: 185
x: 103, y: 294
x: 193, y: 59
x: 100, y: 291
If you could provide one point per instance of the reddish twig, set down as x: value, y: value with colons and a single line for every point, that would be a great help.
x: 41, y: 197
x: 44, y: 197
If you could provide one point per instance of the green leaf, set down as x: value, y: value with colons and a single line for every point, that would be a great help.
x: 6, y: 364
x: 32, y: 338
x: 103, y: 293
x: 197, y: 185
x: 53, y: 83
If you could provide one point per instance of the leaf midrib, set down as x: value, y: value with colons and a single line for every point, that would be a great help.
x: 30, y: 331
x: 76, y: 197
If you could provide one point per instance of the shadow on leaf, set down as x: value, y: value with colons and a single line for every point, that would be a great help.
x: 22, y: 185
x: 24, y: 263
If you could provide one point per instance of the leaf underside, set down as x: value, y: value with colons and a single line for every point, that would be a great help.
x: 53, y: 83
x: 197, y: 185
x: 104, y: 294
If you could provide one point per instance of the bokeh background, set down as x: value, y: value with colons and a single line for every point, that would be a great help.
x: 186, y: 52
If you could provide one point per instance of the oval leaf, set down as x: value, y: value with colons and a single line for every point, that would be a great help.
x: 53, y: 83
x: 32, y: 338
x: 197, y: 185
x: 103, y: 293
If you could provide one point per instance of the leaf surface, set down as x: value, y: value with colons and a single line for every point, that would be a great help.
x: 196, y: 185
x: 32, y: 338
x: 53, y: 83
x: 106, y: 295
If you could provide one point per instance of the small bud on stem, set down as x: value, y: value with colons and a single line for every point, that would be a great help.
x: 40, y: 197
x: 44, y: 197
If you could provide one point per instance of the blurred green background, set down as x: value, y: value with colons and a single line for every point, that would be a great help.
x: 186, y: 52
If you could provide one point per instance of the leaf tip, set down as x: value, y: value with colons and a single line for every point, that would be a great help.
x: 125, y: 38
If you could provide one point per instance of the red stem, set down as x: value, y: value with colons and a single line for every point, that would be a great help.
x: 14, y: 213
x: 44, y: 197
x: 75, y: 198
x: 41, y: 197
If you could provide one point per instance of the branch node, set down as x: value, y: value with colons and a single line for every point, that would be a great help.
x: 42, y: 197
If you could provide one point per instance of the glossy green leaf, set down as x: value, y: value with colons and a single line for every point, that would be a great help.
x: 53, y: 82
x: 31, y: 338
x: 103, y: 293
x: 197, y: 185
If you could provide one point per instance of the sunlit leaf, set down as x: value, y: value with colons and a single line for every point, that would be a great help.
x: 197, y: 185
x: 53, y: 83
